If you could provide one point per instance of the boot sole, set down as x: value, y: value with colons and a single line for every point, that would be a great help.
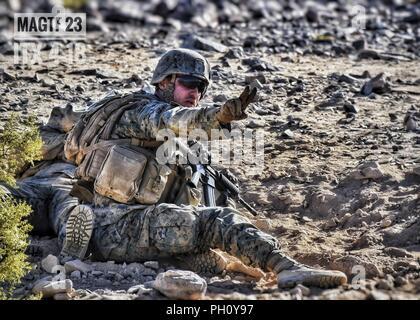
x: 78, y: 232
x: 209, y: 263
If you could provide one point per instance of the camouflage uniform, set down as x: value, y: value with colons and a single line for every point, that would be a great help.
x: 137, y: 232
x: 149, y: 117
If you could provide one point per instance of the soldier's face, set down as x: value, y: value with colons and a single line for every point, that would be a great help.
x: 187, y: 97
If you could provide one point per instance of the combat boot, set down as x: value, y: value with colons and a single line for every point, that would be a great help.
x: 78, y: 232
x: 290, y: 273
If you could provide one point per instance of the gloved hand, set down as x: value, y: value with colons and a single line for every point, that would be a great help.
x: 234, y: 109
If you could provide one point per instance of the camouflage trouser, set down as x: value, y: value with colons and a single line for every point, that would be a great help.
x: 48, y: 193
x: 135, y: 234
x: 128, y: 233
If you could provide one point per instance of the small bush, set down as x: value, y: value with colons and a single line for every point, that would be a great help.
x: 20, y: 144
x: 13, y: 241
x: 74, y: 4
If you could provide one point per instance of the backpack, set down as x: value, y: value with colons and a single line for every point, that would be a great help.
x: 89, y: 141
x: 120, y: 169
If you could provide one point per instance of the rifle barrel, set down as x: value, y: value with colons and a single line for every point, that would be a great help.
x: 246, y: 205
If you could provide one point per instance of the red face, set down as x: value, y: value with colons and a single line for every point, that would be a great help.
x: 185, y: 96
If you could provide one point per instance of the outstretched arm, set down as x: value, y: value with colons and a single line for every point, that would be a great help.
x: 145, y: 121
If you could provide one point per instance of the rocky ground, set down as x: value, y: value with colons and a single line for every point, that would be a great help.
x: 340, y: 109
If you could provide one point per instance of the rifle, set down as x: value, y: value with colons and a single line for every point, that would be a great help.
x: 227, y: 186
x: 212, y: 179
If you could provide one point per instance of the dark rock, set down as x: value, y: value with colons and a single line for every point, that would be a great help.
x: 101, y: 282
x: 48, y: 83
x: 7, y: 48
x: 202, y: 13
x: 85, y: 72
x: 94, y: 72
x: 95, y: 24
x: 397, y: 252
x: 299, y: 87
x: 312, y: 15
x: 333, y: 101
x: 368, y: 54
x: 79, y: 88
x: 340, y: 50
x: 364, y: 75
x: 412, y: 120
x: 405, y: 265
x: 350, y: 117
x: 367, y: 240
x: 254, y: 123
x: 199, y: 43
x: 260, y: 77
x: 414, y: 17
x: 220, y: 98
x: 164, y: 8
x: 347, y: 79
x: 252, y: 42
x: 393, y: 117
x: 375, y: 23
x: 135, y: 78
x: 3, y: 39
x: 378, y: 84
x: 235, y: 53
x: 349, y: 108
x: 288, y: 134
x: 125, y: 12
x: 257, y: 64
x: 359, y: 44
x: 5, y: 76
x: 400, y: 281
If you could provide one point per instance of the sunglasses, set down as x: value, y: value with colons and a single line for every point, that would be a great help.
x: 192, y: 82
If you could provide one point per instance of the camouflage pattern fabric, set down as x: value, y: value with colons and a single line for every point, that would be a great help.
x: 145, y: 121
x: 165, y: 230
x: 182, y: 61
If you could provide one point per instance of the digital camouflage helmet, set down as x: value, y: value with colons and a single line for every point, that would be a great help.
x: 184, y: 62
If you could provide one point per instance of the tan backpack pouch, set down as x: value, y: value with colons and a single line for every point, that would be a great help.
x: 91, y: 164
x: 121, y: 174
x: 154, y: 182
